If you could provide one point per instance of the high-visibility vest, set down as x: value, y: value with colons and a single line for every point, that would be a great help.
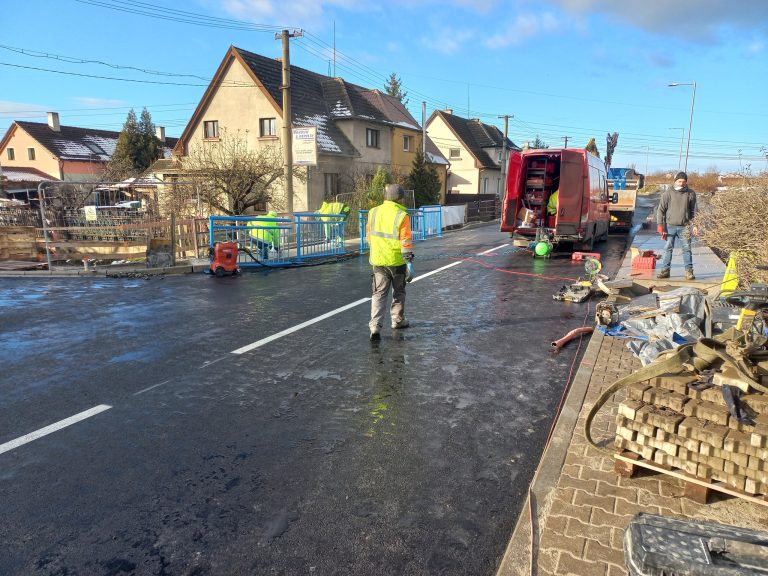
x: 263, y: 232
x: 384, y: 234
x: 552, y: 204
x: 333, y: 208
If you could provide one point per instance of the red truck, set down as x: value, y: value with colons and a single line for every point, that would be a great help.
x: 581, y: 217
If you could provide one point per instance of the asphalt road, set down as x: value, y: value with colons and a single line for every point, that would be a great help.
x: 316, y: 452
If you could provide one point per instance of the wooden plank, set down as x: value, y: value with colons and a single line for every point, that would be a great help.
x: 719, y: 486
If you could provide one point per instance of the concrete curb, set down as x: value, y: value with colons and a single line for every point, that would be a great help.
x: 106, y: 272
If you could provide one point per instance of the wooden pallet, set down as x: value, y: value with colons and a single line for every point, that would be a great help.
x: 695, y: 488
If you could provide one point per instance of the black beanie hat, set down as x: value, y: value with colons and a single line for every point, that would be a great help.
x: 681, y: 176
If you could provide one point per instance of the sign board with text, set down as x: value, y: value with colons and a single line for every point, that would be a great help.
x: 305, y: 146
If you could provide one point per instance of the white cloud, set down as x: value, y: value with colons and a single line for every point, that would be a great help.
x: 99, y: 102
x: 690, y: 19
x: 756, y: 47
x: 446, y: 39
x: 9, y: 109
x: 522, y: 28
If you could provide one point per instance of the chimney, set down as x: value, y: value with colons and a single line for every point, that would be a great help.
x: 448, y: 110
x: 53, y: 121
x: 160, y: 132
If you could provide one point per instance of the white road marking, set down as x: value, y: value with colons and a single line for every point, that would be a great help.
x: 150, y: 388
x: 298, y: 327
x: 428, y: 274
x: 493, y: 249
x: 20, y: 441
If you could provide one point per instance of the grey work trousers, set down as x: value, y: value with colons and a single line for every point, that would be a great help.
x: 383, y: 278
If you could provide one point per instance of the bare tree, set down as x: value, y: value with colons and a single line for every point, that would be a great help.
x: 232, y: 178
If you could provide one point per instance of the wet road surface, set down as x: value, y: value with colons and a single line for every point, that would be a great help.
x: 314, y: 453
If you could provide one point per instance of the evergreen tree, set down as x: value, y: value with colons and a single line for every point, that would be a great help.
x: 380, y: 179
x: 424, y: 181
x: 394, y: 87
x: 592, y: 147
x: 539, y: 143
x: 137, y: 147
x: 610, y: 145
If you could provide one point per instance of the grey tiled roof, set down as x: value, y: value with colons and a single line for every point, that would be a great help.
x: 477, y: 136
x: 75, y: 143
x: 321, y: 101
x: 23, y: 174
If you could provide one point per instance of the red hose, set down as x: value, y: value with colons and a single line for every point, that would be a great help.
x: 557, y: 344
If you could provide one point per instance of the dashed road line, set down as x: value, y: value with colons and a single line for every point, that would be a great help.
x: 21, y: 440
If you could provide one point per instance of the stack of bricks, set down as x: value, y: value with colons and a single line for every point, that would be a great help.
x: 670, y: 423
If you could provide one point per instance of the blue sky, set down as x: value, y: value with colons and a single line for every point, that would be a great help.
x: 577, y: 68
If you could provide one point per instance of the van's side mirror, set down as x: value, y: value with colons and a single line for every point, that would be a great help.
x: 615, y: 198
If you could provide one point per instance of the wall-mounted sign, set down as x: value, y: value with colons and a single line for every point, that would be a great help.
x: 305, y: 146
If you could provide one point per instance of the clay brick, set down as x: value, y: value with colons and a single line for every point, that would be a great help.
x: 578, y: 529
x: 736, y: 481
x: 703, y: 471
x: 665, y: 399
x: 707, y: 411
x: 756, y: 402
x: 740, y: 458
x: 736, y: 441
x: 589, y: 486
x: 674, y: 383
x: 756, y: 463
x: 624, y: 508
x: 605, y: 503
x: 637, y: 390
x: 613, y: 490
x: 552, y: 541
x: 759, y: 437
x: 602, y: 518
x: 600, y: 553
x: 713, y: 395
x: 626, y: 433
x: 567, y: 565
x: 556, y: 524
x: 561, y: 508
x: 703, y: 431
x: 629, y: 408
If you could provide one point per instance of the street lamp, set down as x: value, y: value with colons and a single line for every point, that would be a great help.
x: 690, y: 123
x: 680, y: 156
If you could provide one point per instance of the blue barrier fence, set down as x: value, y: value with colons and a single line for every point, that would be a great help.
x: 279, y: 242
x: 425, y: 222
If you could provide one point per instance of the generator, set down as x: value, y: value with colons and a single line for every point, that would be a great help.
x: 224, y: 259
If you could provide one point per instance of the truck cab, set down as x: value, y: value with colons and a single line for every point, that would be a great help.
x: 580, y: 208
x: 623, y: 184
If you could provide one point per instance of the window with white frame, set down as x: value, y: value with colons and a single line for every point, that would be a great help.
x: 485, y: 185
x: 407, y: 141
x: 267, y: 127
x: 211, y: 129
x: 371, y: 138
x: 31, y: 153
x: 11, y: 154
x: 454, y: 153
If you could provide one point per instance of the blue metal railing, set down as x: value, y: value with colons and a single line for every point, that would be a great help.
x: 264, y: 241
x: 425, y: 222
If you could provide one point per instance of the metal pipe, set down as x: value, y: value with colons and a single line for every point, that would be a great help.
x: 41, y: 199
x: 557, y: 344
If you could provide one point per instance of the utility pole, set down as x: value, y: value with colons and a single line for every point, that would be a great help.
x: 504, y: 152
x: 285, y: 36
x: 424, y: 129
x: 566, y: 141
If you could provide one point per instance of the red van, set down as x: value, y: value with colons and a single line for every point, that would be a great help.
x: 582, y: 216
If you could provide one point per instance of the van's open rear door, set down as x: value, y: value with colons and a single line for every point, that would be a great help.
x: 512, y: 192
x: 571, y: 195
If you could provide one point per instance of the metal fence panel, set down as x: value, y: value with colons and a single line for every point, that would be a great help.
x: 425, y: 222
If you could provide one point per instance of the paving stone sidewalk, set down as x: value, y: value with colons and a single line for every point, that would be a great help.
x: 580, y: 505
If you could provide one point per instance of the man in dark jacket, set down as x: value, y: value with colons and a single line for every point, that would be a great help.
x: 676, y: 210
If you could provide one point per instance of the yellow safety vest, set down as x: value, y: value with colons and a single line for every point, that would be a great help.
x: 263, y: 234
x: 384, y: 234
x: 552, y: 204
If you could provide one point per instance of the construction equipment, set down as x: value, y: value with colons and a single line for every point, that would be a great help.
x: 623, y: 184
x: 754, y: 306
x: 585, y: 287
x: 224, y: 259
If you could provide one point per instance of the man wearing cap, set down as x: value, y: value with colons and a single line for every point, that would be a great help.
x: 677, y: 208
x: 391, y: 245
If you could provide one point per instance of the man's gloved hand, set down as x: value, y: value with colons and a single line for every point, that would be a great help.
x: 408, y: 256
x: 409, y: 273
x: 662, y: 231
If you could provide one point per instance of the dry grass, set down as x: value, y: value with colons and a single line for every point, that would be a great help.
x: 736, y: 220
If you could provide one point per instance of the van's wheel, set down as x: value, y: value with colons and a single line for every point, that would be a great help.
x: 219, y: 271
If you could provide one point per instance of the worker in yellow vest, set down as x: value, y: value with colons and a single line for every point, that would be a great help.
x: 391, y: 245
x: 266, y: 235
x: 333, y: 208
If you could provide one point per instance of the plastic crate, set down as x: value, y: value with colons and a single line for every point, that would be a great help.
x: 643, y: 262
